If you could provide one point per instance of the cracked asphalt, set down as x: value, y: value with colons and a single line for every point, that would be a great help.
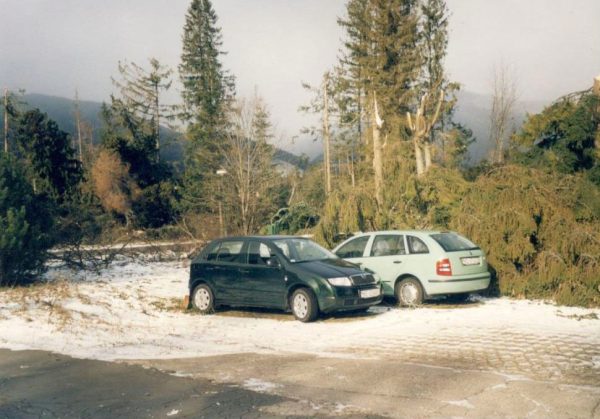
x: 36, y: 384
x: 393, y: 388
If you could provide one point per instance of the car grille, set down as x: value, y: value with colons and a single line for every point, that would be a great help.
x: 362, y: 279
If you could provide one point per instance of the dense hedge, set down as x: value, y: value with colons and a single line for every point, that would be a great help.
x: 541, y: 230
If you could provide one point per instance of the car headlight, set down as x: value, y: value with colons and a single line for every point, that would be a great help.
x: 343, y: 281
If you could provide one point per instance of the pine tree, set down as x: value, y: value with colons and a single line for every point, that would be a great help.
x: 49, y: 158
x: 24, y: 226
x: 141, y: 93
x: 383, y: 59
x: 207, y: 94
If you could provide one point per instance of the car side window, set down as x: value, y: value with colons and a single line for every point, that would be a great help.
x: 211, y: 252
x: 355, y: 248
x: 230, y: 251
x: 388, y: 245
x: 258, y: 253
x: 416, y: 245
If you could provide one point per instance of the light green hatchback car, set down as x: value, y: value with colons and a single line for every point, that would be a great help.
x: 417, y: 265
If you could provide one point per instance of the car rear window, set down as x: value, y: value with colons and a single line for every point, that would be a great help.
x: 452, y: 242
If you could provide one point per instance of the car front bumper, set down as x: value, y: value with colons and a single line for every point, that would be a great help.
x: 342, y: 298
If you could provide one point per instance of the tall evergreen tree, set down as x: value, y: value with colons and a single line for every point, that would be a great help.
x: 383, y: 58
x: 49, y: 158
x: 25, y: 225
x: 141, y: 92
x: 207, y: 93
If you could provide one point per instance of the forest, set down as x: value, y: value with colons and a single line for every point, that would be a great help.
x: 394, y: 157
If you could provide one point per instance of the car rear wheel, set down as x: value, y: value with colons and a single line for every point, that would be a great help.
x: 304, y: 305
x: 203, y: 299
x: 409, y: 292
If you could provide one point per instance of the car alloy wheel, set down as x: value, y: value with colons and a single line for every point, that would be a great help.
x: 409, y: 293
x: 202, y: 299
x: 300, y: 305
x: 304, y: 305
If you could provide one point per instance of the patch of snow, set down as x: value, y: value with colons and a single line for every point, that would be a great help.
x: 261, y: 386
x: 133, y: 311
x: 461, y: 403
x: 173, y: 412
x: 340, y: 408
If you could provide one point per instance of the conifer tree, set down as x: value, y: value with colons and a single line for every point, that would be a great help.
x: 383, y: 58
x: 49, y: 158
x: 25, y: 225
x: 141, y: 93
x: 207, y: 93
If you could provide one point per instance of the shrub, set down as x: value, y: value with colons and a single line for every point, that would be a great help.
x: 25, y: 224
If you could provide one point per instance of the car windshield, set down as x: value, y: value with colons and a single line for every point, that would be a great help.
x: 302, y: 250
x: 452, y: 242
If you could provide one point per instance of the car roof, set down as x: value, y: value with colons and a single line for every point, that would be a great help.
x: 416, y: 232
x: 258, y: 237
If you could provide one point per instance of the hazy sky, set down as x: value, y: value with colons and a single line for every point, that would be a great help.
x: 55, y: 46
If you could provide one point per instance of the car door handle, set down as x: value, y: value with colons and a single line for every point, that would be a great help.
x: 245, y: 271
x: 397, y: 261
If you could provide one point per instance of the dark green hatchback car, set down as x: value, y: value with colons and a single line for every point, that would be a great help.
x: 281, y: 272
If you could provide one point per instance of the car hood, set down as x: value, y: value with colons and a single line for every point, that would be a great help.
x: 330, y: 268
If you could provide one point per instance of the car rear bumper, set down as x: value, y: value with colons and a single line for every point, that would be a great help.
x: 348, y: 299
x: 458, y: 284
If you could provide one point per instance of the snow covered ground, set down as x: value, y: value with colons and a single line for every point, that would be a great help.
x: 134, y: 311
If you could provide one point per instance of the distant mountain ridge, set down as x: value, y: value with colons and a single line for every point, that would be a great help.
x: 473, y: 111
x: 62, y: 110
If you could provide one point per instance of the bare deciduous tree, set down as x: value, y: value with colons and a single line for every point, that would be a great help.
x: 420, y: 126
x: 504, y: 98
x: 248, y: 164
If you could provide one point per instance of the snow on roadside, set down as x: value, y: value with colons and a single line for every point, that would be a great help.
x: 133, y: 311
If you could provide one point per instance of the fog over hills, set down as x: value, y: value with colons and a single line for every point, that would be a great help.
x: 473, y: 111
x: 62, y: 110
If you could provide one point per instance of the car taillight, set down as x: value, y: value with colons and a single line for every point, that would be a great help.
x: 443, y: 267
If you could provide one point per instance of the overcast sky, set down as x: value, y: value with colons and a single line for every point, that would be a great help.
x: 55, y: 46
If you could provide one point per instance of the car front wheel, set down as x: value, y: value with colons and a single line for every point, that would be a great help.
x: 409, y: 292
x: 304, y: 305
x: 203, y: 299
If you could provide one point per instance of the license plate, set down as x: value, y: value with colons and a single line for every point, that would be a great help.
x: 470, y: 261
x: 369, y: 293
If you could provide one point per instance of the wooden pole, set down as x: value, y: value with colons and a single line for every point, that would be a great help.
x: 6, y: 120
x: 326, y: 136
x: 596, y: 90
x: 78, y: 123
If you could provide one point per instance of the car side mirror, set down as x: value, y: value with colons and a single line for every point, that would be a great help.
x: 273, y: 262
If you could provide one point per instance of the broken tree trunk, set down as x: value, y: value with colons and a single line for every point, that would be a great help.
x: 596, y: 90
x: 421, y: 127
x: 377, y: 152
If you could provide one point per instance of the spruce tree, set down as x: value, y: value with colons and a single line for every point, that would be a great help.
x: 141, y: 92
x: 25, y: 225
x: 207, y: 93
x: 384, y: 61
x: 49, y: 158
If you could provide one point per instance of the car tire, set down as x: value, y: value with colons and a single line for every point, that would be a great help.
x: 409, y: 292
x: 203, y: 299
x: 304, y: 305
